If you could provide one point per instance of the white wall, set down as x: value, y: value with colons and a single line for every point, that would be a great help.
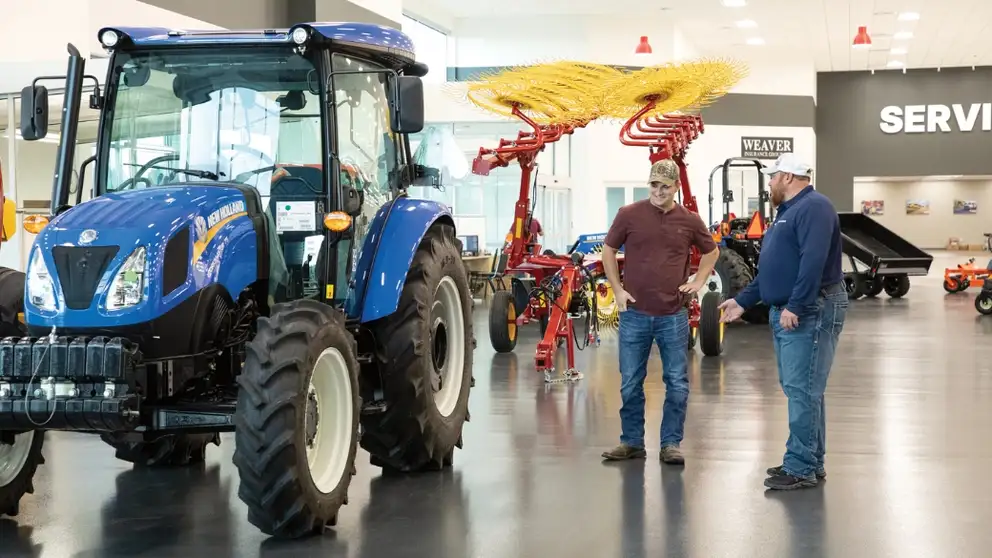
x: 930, y: 231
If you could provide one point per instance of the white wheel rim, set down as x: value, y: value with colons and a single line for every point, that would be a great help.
x: 14, y: 457
x: 715, y: 283
x: 447, y: 346
x: 328, y: 442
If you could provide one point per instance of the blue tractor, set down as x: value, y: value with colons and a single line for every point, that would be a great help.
x: 249, y: 260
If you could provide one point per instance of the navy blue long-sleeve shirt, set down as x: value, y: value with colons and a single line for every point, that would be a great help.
x: 800, y: 254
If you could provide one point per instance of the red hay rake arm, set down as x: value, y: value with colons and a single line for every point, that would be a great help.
x: 523, y: 149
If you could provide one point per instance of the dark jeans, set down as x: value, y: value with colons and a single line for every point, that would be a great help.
x: 638, y: 331
x: 805, y: 355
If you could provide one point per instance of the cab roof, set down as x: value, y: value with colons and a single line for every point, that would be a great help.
x: 378, y: 38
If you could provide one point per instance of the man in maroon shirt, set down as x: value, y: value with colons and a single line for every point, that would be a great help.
x: 656, y: 235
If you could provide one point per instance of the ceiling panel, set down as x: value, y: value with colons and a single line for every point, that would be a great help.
x: 948, y: 33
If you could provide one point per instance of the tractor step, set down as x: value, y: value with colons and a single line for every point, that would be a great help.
x: 374, y: 408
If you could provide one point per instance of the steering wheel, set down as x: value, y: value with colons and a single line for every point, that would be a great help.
x: 145, y: 168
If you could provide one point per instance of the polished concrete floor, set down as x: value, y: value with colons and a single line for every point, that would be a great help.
x: 909, y: 411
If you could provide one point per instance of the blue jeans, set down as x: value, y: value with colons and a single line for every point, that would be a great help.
x: 805, y: 355
x: 638, y: 331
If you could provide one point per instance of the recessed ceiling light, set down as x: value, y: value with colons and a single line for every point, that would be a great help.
x: 898, y: 50
x: 755, y: 41
x: 909, y: 16
x: 895, y: 64
x: 746, y: 23
x: 903, y: 35
x: 734, y: 3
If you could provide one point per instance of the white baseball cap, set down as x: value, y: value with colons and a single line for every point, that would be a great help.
x: 790, y: 163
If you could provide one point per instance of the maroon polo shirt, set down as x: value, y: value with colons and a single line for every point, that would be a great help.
x: 656, y: 246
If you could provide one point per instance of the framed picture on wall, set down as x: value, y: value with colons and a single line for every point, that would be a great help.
x: 872, y: 207
x: 917, y: 207
x: 965, y: 207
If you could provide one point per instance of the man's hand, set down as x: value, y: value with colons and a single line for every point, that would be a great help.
x: 731, y: 311
x: 694, y: 286
x: 622, y: 298
x: 788, y: 320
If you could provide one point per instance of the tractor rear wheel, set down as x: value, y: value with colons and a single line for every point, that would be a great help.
x: 735, y: 275
x: 710, y: 327
x: 170, y: 450
x: 296, y: 424
x: 18, y: 463
x: 424, y: 353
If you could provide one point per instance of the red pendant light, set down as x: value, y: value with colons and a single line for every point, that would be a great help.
x: 643, y: 47
x: 862, y: 40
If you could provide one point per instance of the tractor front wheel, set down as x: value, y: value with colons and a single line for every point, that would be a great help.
x: 296, y: 424
x: 18, y: 462
x: 710, y: 327
x: 424, y: 355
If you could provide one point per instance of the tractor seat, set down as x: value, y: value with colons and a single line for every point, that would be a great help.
x: 289, y: 263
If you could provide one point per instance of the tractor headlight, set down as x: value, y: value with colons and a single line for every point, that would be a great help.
x: 109, y: 38
x: 128, y: 286
x: 41, y: 287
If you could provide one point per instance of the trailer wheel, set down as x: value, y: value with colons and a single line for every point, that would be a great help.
x: 503, y: 322
x: 424, y: 352
x: 18, y: 463
x: 875, y: 287
x: 710, y: 328
x: 855, y: 284
x: 952, y: 285
x: 170, y: 450
x: 296, y: 423
x: 983, y: 303
x: 896, y: 286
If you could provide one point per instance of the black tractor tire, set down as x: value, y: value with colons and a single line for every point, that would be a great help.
x: 875, y: 287
x: 734, y: 272
x: 896, y: 286
x: 983, y: 303
x: 170, y: 450
x: 412, y: 434
x: 23, y: 481
x: 272, y: 430
x: 710, y: 328
x: 502, y: 333
x: 11, y: 302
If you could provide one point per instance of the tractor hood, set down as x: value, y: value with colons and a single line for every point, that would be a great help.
x: 193, y: 235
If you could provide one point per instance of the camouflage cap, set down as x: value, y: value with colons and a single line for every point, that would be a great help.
x: 664, y: 171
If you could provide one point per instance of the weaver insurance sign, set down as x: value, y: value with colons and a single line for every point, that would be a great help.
x: 765, y: 148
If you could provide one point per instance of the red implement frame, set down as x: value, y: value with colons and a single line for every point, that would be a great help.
x: 562, y: 276
x: 669, y: 137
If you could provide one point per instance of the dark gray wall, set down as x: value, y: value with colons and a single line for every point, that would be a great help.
x: 850, y: 143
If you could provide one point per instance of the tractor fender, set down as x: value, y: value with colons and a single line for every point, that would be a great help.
x: 392, y: 240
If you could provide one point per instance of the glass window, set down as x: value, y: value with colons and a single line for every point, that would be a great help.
x: 431, y: 47
x: 615, y: 197
x: 187, y: 116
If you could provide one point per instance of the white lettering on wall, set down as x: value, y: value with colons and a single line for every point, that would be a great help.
x: 918, y: 119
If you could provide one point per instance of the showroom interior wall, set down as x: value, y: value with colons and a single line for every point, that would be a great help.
x: 931, y: 228
x: 28, y: 167
x: 855, y: 141
x: 771, y: 102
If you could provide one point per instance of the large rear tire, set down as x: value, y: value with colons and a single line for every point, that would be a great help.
x: 735, y: 275
x: 18, y: 463
x: 296, y: 424
x: 170, y: 450
x: 424, y: 352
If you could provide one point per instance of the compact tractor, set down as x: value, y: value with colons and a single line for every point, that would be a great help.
x: 739, y: 238
x: 249, y: 261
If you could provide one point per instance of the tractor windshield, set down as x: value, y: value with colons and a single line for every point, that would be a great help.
x: 182, y: 116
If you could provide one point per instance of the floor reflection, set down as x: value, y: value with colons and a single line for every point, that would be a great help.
x: 907, y: 405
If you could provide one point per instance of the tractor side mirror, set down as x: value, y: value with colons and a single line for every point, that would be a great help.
x: 408, y: 115
x: 34, y: 112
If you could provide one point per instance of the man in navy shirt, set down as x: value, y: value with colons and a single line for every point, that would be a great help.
x: 801, y: 280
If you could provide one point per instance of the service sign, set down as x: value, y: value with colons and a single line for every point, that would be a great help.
x: 765, y: 148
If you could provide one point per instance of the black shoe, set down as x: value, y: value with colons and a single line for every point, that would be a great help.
x: 623, y: 451
x: 776, y: 471
x: 789, y: 482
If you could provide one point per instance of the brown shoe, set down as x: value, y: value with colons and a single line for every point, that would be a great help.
x: 623, y: 451
x: 671, y: 455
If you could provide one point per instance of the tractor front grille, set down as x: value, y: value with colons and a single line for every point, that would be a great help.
x: 80, y: 269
